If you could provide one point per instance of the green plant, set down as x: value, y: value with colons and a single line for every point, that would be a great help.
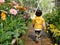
x: 13, y: 26
x: 53, y: 19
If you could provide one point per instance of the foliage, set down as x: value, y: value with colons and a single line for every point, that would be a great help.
x: 53, y: 19
x: 12, y: 25
x: 43, y: 4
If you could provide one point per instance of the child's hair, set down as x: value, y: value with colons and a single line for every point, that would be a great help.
x: 38, y: 12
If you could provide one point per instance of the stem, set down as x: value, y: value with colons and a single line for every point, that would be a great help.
x: 17, y: 41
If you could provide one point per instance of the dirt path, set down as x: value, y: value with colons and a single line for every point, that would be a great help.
x: 29, y: 41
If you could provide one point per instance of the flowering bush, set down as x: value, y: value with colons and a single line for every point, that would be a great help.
x: 53, y: 19
x: 11, y: 26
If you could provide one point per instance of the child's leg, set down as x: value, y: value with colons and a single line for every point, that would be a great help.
x: 37, y: 34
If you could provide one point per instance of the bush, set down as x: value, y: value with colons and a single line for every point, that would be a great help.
x: 53, y: 19
x: 12, y: 25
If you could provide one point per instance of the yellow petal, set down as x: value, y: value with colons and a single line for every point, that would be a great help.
x: 3, y: 16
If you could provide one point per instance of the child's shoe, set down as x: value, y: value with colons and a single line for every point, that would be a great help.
x: 37, y: 39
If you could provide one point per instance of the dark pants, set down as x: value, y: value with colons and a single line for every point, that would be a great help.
x: 37, y: 32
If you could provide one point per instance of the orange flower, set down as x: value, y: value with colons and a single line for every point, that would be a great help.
x: 23, y: 9
x: 3, y: 16
x: 19, y: 7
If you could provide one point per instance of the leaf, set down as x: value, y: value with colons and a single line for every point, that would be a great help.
x: 5, y: 43
x: 21, y: 42
x: 16, y: 34
x: 23, y: 32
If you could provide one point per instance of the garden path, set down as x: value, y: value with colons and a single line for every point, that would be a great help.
x: 29, y: 41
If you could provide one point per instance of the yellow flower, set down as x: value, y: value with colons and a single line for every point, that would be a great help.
x: 52, y: 26
x: 58, y: 33
x: 56, y: 44
x: 3, y: 16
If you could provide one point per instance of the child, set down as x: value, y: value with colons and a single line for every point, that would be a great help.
x: 38, y: 23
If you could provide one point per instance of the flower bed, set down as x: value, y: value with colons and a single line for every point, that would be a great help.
x: 12, y: 23
x: 53, y: 20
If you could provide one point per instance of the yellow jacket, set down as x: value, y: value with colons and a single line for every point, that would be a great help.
x: 39, y: 23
